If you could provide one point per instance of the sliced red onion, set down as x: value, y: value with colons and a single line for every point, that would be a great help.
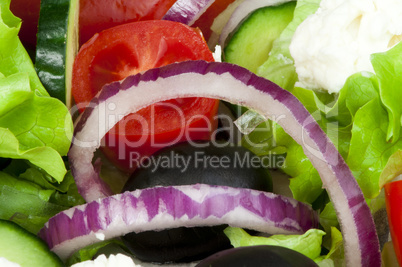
x: 239, y: 86
x: 161, y: 208
x: 242, y: 12
x: 187, y: 11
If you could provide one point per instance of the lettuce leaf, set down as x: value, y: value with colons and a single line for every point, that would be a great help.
x: 359, y: 126
x: 308, y: 244
x: 108, y: 247
x: 36, y: 128
x: 43, y: 157
x: 64, y: 193
x: 369, y: 138
x: 33, y: 126
x: 31, y: 205
x: 335, y: 256
x: 15, y: 90
x: 35, y: 133
x: 338, y: 119
x: 388, y: 67
x: 36, y: 121
x: 14, y: 57
x: 392, y: 169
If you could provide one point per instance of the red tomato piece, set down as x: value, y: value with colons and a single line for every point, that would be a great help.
x: 393, y: 200
x: 205, y: 21
x: 135, y: 47
x: 99, y: 15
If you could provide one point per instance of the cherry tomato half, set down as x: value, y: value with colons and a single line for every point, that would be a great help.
x: 393, y: 200
x: 135, y: 47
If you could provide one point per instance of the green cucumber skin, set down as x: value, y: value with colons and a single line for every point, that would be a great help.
x: 249, y: 45
x: 52, y: 46
x: 23, y: 247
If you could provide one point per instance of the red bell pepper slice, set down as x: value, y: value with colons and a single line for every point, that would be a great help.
x: 393, y: 198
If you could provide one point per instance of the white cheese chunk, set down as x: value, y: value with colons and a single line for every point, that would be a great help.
x: 118, y: 260
x: 339, y: 38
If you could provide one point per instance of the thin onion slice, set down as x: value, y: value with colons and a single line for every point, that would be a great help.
x: 239, y: 86
x: 241, y: 13
x: 187, y: 11
x: 161, y: 208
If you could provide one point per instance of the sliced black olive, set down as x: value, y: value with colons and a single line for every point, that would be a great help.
x: 177, y: 244
x: 208, y: 164
x: 257, y: 256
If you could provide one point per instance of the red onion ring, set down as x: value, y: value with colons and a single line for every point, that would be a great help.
x: 187, y: 11
x: 237, y: 85
x: 161, y: 208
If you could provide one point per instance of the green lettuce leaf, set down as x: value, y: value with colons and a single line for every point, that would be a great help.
x: 279, y: 65
x: 108, y: 247
x: 369, y: 138
x: 14, y: 57
x: 15, y: 90
x: 392, y: 169
x: 64, y: 193
x: 26, y: 203
x: 328, y: 218
x: 31, y: 205
x: 308, y: 244
x: 328, y: 221
x: 44, y: 157
x: 336, y: 117
x: 388, y: 68
x: 358, y: 90
x: 357, y: 124
x: 35, y: 128
x: 335, y: 256
x: 37, y: 121
x: 35, y: 133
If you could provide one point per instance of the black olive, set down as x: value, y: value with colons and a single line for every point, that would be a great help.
x: 178, y: 244
x: 257, y: 256
x: 207, y: 164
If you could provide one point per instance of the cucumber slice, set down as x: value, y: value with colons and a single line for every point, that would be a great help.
x: 57, y: 46
x: 20, y: 246
x: 251, y: 43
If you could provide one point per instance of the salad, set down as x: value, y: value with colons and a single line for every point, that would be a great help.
x: 165, y: 131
